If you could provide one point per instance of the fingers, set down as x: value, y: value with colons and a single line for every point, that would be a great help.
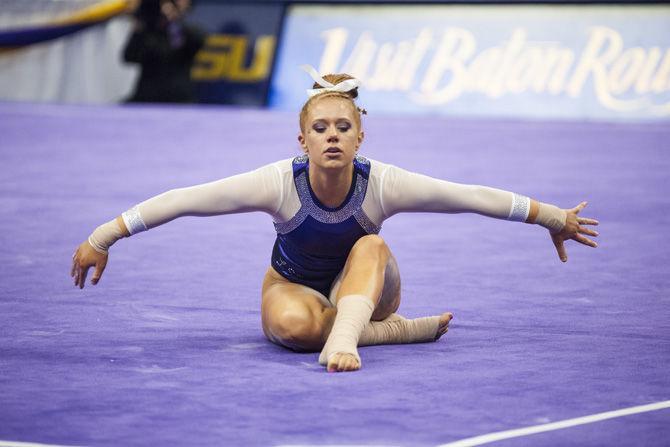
x: 75, y: 273
x: 584, y: 240
x: 84, y: 258
x: 585, y: 221
x: 99, y: 268
x: 560, y: 248
x: 590, y: 232
x: 74, y: 265
x: 83, y: 271
x: 78, y: 272
x: 575, y: 230
x: 579, y: 207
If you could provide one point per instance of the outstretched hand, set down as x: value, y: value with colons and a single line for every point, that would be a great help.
x: 574, y: 229
x: 84, y: 258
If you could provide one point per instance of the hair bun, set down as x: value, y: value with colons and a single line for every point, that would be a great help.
x: 336, y: 78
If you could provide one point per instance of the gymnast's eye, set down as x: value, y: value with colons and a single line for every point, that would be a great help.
x: 343, y: 127
x: 320, y: 128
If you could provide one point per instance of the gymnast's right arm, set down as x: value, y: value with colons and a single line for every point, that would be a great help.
x: 258, y: 190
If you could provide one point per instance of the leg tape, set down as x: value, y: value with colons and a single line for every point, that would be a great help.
x: 397, y: 330
x: 353, y: 314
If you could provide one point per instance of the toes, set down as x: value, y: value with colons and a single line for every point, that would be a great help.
x: 352, y: 364
x: 445, y: 319
x: 343, y: 362
x: 334, y: 363
x: 443, y: 327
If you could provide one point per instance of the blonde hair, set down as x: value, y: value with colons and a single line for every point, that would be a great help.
x: 351, y: 95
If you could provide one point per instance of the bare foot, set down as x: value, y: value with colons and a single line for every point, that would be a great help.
x: 341, y: 362
x: 442, y: 329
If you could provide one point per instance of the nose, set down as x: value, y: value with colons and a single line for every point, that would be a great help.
x: 332, y: 136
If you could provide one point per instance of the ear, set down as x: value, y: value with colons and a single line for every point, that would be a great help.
x: 301, y: 140
x: 361, y: 137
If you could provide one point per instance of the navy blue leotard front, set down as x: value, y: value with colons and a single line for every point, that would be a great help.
x: 312, y: 247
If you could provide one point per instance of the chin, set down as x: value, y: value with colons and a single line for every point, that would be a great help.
x: 336, y: 163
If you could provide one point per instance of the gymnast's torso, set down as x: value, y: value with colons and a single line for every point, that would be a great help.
x: 313, y: 245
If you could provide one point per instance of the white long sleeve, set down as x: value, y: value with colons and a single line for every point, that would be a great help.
x: 404, y: 191
x: 258, y: 190
x: 271, y: 189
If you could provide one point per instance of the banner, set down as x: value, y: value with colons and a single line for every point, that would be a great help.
x: 22, y: 30
x: 84, y: 67
x: 235, y: 65
x: 601, y: 62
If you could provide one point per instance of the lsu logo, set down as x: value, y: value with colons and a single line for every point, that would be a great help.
x: 224, y: 57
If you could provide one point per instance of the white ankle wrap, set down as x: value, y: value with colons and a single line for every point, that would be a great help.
x: 397, y: 330
x: 353, y: 313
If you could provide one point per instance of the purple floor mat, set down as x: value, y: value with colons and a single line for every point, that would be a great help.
x: 168, y: 349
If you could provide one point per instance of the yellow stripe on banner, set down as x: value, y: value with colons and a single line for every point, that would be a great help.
x: 95, y: 13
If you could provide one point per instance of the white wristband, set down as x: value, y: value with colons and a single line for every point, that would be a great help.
x: 133, y: 220
x: 520, y: 208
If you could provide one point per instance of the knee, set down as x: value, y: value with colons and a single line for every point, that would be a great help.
x: 371, y: 244
x: 297, y: 330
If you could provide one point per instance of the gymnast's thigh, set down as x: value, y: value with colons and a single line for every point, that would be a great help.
x: 284, y: 302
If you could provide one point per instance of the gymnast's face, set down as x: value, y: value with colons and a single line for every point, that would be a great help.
x: 331, y: 132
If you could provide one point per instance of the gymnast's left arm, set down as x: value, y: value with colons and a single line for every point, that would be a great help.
x: 404, y: 191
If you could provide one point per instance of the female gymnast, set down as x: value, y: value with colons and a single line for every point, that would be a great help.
x: 333, y: 283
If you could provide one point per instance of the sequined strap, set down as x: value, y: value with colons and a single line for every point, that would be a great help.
x: 300, y: 164
x: 363, y: 165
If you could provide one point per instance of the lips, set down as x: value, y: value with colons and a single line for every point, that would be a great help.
x: 333, y: 150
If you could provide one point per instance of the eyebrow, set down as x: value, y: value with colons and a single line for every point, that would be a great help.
x: 337, y: 120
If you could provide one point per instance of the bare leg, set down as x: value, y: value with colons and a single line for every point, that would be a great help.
x: 396, y: 329
x: 293, y: 315
x: 358, y: 298
x: 299, y: 318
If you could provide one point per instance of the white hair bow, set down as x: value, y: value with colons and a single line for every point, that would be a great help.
x: 344, y: 86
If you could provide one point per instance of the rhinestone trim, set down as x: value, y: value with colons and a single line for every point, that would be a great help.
x: 520, y: 208
x: 310, y: 208
x: 365, y: 222
x: 133, y: 220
